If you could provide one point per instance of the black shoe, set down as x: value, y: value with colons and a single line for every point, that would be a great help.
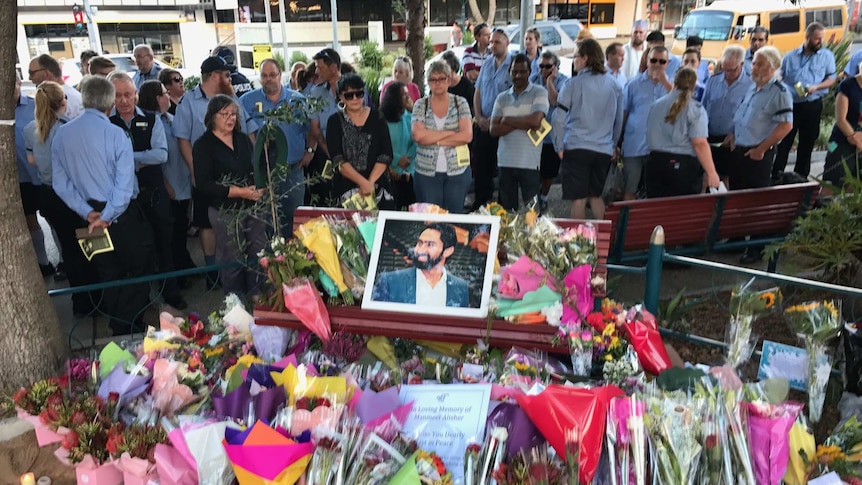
x: 543, y: 206
x: 177, y: 302
x: 47, y: 269
x: 750, y: 257
x: 60, y: 275
x: 212, y: 280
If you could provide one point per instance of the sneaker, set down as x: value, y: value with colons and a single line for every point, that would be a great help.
x: 543, y: 206
x: 47, y: 269
x: 60, y: 275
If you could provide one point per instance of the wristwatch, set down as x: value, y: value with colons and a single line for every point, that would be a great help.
x: 309, y: 150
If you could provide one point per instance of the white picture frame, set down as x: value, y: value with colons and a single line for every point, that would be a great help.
x: 392, y: 256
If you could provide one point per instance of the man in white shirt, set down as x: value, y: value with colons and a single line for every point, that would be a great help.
x: 428, y: 282
x: 46, y: 68
x: 634, y: 49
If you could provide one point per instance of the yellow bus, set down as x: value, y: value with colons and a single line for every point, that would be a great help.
x: 727, y: 22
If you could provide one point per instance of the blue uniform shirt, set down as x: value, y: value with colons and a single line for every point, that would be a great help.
x: 591, y: 113
x: 25, y: 113
x: 158, y: 152
x: 639, y: 96
x: 256, y: 103
x: 674, y: 64
x: 721, y: 102
x: 559, y: 82
x: 852, y: 67
x: 809, y: 69
x: 703, y: 72
x: 619, y: 77
x: 175, y: 171
x: 675, y: 137
x: 330, y: 106
x: 93, y: 160
x: 491, y: 82
x: 189, y: 118
x: 746, y: 64
x: 140, y: 78
x: 760, y: 113
x: 42, y: 151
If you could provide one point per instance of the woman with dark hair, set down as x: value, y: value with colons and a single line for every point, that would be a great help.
x: 154, y: 96
x: 676, y: 134
x: 224, y: 174
x: 846, y: 137
x: 396, y: 107
x: 359, y: 144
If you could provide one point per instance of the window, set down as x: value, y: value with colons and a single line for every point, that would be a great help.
x: 602, y: 13
x: 783, y: 23
x: 550, y: 36
x: 706, y: 24
x: 572, y: 30
x: 828, y: 17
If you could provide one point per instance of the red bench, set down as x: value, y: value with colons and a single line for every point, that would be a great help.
x: 430, y: 327
x: 702, y: 222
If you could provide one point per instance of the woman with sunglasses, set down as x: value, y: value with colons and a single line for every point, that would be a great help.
x: 39, y: 134
x: 402, y: 72
x: 173, y: 82
x: 359, y: 144
x: 640, y: 93
x: 676, y: 136
x: 154, y: 96
x: 442, y: 126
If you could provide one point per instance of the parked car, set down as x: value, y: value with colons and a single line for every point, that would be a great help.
x: 558, y: 36
x: 125, y: 62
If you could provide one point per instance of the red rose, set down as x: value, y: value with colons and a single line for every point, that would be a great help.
x: 597, y: 321
x: 113, y: 397
x: 303, y: 403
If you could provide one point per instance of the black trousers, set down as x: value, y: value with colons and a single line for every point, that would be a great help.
x: 132, y: 257
x: 404, y: 194
x: 80, y: 271
x: 746, y: 173
x: 671, y: 175
x: 179, y: 247
x: 806, y: 122
x: 484, y: 162
x: 156, y: 206
x: 721, y: 156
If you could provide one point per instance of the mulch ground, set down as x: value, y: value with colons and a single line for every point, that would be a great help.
x: 21, y: 455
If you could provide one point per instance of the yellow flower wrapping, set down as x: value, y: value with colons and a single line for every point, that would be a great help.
x: 317, y: 237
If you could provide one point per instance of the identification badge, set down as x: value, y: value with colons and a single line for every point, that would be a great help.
x: 141, y: 124
x: 463, y: 154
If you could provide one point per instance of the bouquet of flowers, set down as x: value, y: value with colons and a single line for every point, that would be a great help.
x: 580, y: 342
x: 377, y: 462
x: 816, y: 324
x: 627, y: 440
x: 352, y: 253
x: 533, y: 467
x: 674, y: 425
x: 424, y: 467
x: 747, y: 306
x: 285, y: 261
x: 316, y: 235
x: 769, y: 427
x: 481, y: 462
x: 556, y: 250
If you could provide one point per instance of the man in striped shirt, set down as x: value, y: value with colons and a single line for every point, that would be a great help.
x: 474, y: 55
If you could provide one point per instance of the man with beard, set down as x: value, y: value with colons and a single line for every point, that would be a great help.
x: 300, y: 144
x: 428, y: 282
x: 189, y: 126
x: 634, y: 50
x: 240, y: 83
x: 808, y: 72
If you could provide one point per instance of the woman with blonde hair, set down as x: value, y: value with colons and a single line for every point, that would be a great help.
x: 402, y: 71
x: 676, y: 136
x: 39, y: 134
x: 533, y: 49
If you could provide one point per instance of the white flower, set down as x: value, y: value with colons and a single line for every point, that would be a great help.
x: 500, y: 433
x: 553, y: 314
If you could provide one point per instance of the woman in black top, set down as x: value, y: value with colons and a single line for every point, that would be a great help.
x: 358, y: 141
x: 223, y: 173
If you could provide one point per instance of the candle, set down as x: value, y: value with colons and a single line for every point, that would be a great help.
x: 28, y: 479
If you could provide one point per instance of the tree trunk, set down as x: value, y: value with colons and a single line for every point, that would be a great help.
x: 477, y: 14
x: 415, y: 43
x: 30, y: 342
x: 492, y: 11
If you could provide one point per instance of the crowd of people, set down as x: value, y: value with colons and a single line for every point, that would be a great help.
x: 142, y: 159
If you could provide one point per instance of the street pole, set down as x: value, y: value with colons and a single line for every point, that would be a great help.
x: 334, y: 8
x: 268, y: 12
x: 93, y: 27
x: 528, y: 17
x: 283, y: 23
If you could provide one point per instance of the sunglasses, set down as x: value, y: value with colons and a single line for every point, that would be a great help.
x: 354, y: 94
x: 177, y: 79
x: 434, y: 80
x: 546, y: 66
x: 660, y: 61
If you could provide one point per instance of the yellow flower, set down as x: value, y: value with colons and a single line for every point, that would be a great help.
x: 615, y: 342
x: 826, y: 454
x: 608, y: 358
x: 831, y: 307
x: 768, y: 299
x: 597, y: 339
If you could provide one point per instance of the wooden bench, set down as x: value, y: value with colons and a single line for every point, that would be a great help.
x: 432, y: 327
x: 703, y: 222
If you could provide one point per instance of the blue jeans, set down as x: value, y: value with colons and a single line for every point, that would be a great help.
x: 291, y: 193
x: 449, y: 192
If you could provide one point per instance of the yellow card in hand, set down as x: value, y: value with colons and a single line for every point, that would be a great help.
x: 536, y: 136
x: 463, y: 153
x: 95, y: 243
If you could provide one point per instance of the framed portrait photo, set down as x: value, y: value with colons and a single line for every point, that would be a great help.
x: 438, y: 264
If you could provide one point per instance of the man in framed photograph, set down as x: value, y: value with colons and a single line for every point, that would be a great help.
x: 428, y: 282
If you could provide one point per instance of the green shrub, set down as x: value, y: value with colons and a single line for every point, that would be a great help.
x: 467, y: 39
x: 298, y: 56
x: 279, y: 59
x: 429, y: 48
x: 191, y: 82
x: 370, y: 55
x: 372, y: 78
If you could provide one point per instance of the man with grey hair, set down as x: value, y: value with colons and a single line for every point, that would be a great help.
x: 634, y: 50
x: 94, y: 174
x: 721, y: 98
x: 148, y: 70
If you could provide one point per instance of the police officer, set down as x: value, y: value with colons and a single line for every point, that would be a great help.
x: 240, y: 83
x: 676, y: 135
x: 150, y: 147
x: 808, y: 72
x: 762, y: 120
x: 721, y: 98
x: 94, y: 174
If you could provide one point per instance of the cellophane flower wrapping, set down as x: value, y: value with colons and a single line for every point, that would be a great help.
x: 802, y: 449
x: 522, y: 277
x: 746, y: 306
x: 673, y: 421
x: 641, y: 330
x: 769, y: 435
x: 628, y: 440
x: 377, y: 462
x: 303, y: 300
x: 555, y: 249
x: 352, y: 253
x: 579, y: 339
x: 716, y: 467
x: 317, y: 237
x: 817, y: 324
x: 577, y: 294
